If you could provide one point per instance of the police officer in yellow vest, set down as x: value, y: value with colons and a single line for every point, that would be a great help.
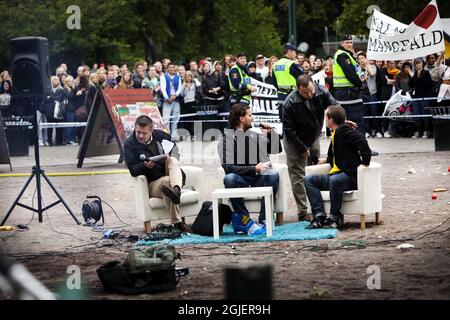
x: 285, y: 73
x: 239, y: 81
x: 347, y: 81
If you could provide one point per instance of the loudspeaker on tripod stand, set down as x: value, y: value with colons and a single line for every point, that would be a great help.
x: 31, y: 80
x: 30, y: 66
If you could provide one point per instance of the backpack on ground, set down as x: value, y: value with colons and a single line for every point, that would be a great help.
x: 203, y: 224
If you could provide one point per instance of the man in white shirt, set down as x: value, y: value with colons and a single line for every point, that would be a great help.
x: 261, y: 67
x: 171, y: 89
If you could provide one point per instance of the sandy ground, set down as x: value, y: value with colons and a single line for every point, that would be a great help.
x: 323, y: 269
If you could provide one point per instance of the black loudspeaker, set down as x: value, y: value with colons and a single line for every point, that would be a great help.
x: 30, y: 66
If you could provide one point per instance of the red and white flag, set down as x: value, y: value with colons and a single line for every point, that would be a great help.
x: 390, y: 39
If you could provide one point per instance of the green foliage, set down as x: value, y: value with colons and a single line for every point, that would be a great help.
x: 244, y: 25
x: 125, y: 31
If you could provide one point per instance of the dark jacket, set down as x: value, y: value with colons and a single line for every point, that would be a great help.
x: 350, y: 150
x: 213, y: 81
x: 421, y: 85
x: 133, y: 149
x: 241, y: 151
x: 384, y: 90
x: 82, y: 99
x: 49, y: 100
x: 70, y: 98
x: 303, y: 119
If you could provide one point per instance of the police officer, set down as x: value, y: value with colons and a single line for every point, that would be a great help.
x: 347, y: 81
x: 285, y: 73
x: 239, y: 81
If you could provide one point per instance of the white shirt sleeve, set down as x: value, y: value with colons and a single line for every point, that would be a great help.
x: 163, y: 87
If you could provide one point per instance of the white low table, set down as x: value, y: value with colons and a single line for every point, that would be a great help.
x: 265, y: 192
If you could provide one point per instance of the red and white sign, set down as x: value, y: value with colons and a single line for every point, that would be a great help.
x: 390, y: 39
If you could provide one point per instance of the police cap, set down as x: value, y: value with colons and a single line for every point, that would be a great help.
x: 346, y: 37
x: 241, y: 54
x: 289, y: 46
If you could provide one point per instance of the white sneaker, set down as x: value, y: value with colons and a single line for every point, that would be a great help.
x: 367, y: 136
x: 425, y: 135
x: 379, y: 135
x: 416, y: 135
x: 387, y: 135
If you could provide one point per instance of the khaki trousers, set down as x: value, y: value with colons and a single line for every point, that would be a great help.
x: 296, y: 163
x: 172, y: 178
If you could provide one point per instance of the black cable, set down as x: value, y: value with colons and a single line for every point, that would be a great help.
x: 32, y: 205
x: 63, y: 233
x: 126, y: 224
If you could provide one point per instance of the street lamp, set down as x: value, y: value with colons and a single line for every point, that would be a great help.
x: 292, y: 23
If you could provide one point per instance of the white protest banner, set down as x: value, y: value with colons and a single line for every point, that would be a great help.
x: 264, y: 100
x: 319, y: 78
x: 264, y: 90
x: 393, y: 40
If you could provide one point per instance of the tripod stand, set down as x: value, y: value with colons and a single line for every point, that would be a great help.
x: 37, y: 172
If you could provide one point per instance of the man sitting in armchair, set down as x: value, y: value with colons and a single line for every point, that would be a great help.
x: 244, y: 156
x: 348, y: 149
x: 164, y: 176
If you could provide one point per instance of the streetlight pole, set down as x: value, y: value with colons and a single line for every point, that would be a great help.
x: 292, y: 23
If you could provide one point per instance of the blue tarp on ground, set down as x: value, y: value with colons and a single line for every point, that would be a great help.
x: 285, y: 232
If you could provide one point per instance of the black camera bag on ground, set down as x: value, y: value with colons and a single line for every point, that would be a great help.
x: 149, y: 270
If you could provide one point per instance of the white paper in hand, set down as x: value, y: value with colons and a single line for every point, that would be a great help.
x: 167, y: 146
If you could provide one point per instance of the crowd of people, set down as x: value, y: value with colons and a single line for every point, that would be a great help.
x: 180, y: 88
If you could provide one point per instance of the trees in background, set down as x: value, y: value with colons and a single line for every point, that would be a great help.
x: 124, y: 31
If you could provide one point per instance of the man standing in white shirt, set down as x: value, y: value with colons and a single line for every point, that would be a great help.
x: 261, y: 67
x: 171, y: 89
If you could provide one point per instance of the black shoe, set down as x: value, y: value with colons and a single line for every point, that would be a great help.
x: 374, y: 153
x: 315, y: 224
x: 173, y: 194
x: 304, y: 216
x: 183, y: 227
x: 331, y: 224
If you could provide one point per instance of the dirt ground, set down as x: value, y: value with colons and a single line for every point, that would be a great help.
x: 323, y: 269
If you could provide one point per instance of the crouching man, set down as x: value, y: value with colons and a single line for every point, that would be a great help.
x: 244, y: 155
x: 348, y: 149
x: 165, y: 177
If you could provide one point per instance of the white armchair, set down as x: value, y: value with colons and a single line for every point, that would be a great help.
x: 148, y: 209
x: 254, y: 204
x: 366, y: 200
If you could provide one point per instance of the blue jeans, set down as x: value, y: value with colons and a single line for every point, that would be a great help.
x: 336, y: 184
x: 68, y: 132
x: 171, y: 116
x: 270, y: 178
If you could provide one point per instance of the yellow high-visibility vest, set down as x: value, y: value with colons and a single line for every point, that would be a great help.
x: 339, y: 78
x: 281, y: 70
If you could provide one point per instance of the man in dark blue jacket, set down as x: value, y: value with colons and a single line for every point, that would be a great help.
x: 244, y: 155
x: 165, y: 176
x: 348, y: 149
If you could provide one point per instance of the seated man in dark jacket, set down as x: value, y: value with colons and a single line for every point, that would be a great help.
x: 244, y: 155
x: 165, y: 177
x: 348, y: 149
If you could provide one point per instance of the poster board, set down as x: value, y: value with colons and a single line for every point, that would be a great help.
x: 111, y: 121
x: 4, y: 150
